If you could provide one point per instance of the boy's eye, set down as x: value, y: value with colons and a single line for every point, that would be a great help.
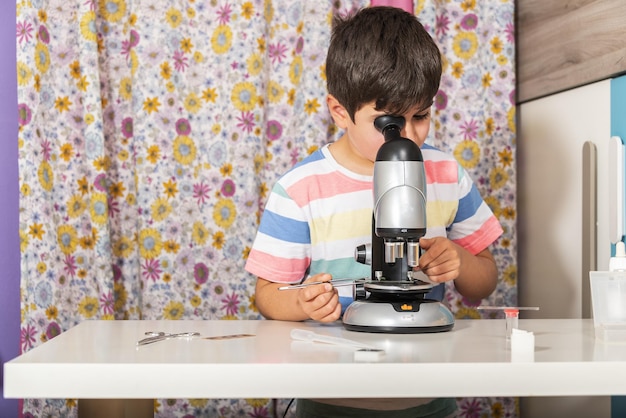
x: 422, y: 116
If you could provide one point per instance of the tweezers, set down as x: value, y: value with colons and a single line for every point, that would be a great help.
x: 161, y: 336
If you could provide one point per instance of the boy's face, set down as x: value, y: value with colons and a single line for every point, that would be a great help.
x: 365, y: 139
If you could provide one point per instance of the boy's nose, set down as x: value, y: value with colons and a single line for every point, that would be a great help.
x: 409, y: 132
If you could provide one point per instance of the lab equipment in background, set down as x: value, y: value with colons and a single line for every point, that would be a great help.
x: 618, y: 261
x: 393, y: 301
x: 608, y: 301
x: 511, y: 315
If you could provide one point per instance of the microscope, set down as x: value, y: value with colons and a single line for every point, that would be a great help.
x: 393, y: 299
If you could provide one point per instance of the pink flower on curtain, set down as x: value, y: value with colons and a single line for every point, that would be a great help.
x: 24, y: 31
x: 469, y: 129
x: 180, y: 61
x: 70, y: 265
x: 246, y: 121
x: 231, y: 303
x: 27, y: 337
x: 277, y: 52
x: 441, y: 24
x: 151, y: 269
x: 107, y: 302
x: 201, y: 192
x: 224, y: 14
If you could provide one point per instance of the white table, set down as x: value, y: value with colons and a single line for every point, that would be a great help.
x: 99, y: 359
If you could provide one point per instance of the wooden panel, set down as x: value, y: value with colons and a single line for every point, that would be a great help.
x: 568, y: 43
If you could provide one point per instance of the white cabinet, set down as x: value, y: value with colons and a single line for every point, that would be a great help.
x: 551, y: 243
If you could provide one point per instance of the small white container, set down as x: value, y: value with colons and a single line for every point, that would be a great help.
x: 608, y: 301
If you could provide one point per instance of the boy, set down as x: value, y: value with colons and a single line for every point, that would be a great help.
x: 380, y: 61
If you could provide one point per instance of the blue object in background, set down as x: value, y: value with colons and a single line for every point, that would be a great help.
x: 618, y: 128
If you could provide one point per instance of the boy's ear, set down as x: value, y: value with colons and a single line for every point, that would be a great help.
x: 338, y: 112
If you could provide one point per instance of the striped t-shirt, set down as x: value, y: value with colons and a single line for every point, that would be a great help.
x: 319, y: 212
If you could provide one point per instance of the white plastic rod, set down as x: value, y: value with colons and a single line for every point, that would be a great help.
x: 616, y: 189
x: 304, y: 335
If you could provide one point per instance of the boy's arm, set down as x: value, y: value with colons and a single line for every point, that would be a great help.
x: 475, y: 276
x: 319, y: 302
x: 478, y: 275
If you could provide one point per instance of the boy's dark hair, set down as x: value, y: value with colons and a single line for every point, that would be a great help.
x: 382, y: 54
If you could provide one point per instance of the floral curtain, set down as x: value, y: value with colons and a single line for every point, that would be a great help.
x: 152, y: 130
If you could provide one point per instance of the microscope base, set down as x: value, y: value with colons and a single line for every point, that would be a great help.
x: 415, y: 317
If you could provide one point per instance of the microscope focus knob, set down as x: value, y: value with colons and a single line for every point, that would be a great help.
x: 363, y: 254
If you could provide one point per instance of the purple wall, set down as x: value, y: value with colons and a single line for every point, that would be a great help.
x: 9, y: 237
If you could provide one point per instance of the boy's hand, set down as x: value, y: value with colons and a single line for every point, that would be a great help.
x: 320, y: 302
x: 441, y: 260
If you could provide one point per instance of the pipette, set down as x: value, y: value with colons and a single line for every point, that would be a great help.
x: 511, y: 314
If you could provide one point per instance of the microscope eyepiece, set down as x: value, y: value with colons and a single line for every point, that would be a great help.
x: 385, y: 122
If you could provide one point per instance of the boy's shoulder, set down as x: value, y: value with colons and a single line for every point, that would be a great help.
x: 432, y: 153
x: 313, y: 164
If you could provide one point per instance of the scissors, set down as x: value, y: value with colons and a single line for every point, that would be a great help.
x: 154, y: 336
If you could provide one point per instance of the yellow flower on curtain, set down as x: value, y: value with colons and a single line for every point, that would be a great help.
x: 98, y: 208
x: 76, y: 206
x: 275, y: 92
x: 46, y: 176
x: 88, y: 306
x: 42, y: 57
x: 222, y: 38
x: 113, y: 10
x: 311, y: 106
x: 254, y: 64
x: 498, y: 177
x: 134, y: 62
x: 184, y: 149
x: 244, y: 96
x: 160, y: 209
x: 465, y: 45
x: 62, y: 104
x: 88, y: 26
x: 153, y: 154
x: 192, y: 103
x: 195, y: 301
x: 198, y: 403
x: 209, y: 95
x: 66, y: 238
x: 295, y: 70
x: 36, y: 230
x: 173, y: 17
x: 151, y: 104
x: 467, y: 153
x: 150, y: 243
x: 199, y: 233
x: 224, y: 213
x: 120, y: 296
x: 247, y: 10
x: 268, y: 11
x: 174, y: 310
x: 23, y: 240
x: 509, y: 275
x: 510, y: 117
x: 23, y: 74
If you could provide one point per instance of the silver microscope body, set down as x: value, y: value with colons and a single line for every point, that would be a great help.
x: 393, y: 299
